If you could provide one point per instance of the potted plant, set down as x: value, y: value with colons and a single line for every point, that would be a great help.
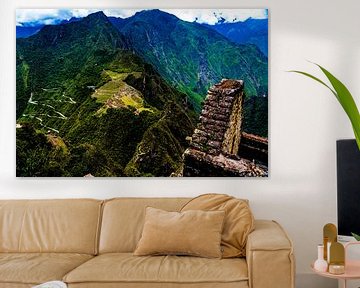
x: 345, y: 99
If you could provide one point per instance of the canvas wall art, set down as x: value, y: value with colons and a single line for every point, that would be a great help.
x: 134, y: 93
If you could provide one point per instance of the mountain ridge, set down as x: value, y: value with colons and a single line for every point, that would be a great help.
x: 203, y: 54
x: 73, y: 124
x: 250, y: 31
x: 92, y: 99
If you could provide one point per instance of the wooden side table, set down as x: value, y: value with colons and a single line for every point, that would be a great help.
x: 352, y: 268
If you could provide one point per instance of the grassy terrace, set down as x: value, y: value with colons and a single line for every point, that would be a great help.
x: 117, y: 94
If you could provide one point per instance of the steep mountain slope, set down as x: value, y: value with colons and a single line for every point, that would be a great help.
x: 27, y: 31
x: 85, y: 103
x: 58, y: 53
x: 117, y: 97
x: 251, y: 31
x: 191, y: 56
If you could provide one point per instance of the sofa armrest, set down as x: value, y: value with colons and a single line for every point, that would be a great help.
x: 269, y: 256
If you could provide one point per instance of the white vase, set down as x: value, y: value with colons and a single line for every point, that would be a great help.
x: 320, y: 264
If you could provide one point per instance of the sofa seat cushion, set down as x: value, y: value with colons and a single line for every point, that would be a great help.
x: 127, y: 268
x: 242, y: 284
x: 15, y: 285
x: 36, y: 268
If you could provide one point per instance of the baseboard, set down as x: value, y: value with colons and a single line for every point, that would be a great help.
x: 310, y: 280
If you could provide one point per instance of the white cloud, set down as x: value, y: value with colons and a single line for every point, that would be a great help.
x: 79, y: 13
x: 210, y: 16
x: 49, y: 16
x: 31, y: 15
x: 122, y: 13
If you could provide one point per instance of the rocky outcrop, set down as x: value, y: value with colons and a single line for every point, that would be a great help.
x: 218, y: 146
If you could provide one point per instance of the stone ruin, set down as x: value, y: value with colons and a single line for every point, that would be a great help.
x: 218, y: 145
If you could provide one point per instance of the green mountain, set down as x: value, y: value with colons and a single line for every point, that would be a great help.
x: 57, y: 53
x: 88, y: 105
x: 118, y: 97
x: 253, y: 31
x: 192, y: 56
x: 27, y: 31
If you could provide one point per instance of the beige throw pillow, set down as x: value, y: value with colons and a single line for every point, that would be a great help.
x: 194, y: 232
x: 239, y: 220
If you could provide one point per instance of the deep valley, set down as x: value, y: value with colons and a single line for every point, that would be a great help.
x: 105, y: 96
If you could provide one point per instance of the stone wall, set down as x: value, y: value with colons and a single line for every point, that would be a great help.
x: 217, y: 141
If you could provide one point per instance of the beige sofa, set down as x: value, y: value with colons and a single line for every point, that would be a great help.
x: 89, y: 243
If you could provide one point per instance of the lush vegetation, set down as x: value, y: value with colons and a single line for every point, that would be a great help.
x: 256, y: 116
x: 251, y: 31
x: 192, y: 56
x: 92, y: 104
x: 87, y: 102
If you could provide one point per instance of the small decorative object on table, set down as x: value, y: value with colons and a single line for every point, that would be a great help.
x: 320, y: 264
x: 337, y: 259
x: 329, y: 236
x: 340, y: 267
x: 52, y: 284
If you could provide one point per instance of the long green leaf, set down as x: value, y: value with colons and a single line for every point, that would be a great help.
x: 316, y: 79
x: 344, y: 97
x: 357, y: 137
x: 347, y: 102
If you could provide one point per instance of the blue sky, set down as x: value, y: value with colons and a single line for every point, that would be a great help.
x: 210, y: 16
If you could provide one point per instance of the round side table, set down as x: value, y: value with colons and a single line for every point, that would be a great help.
x: 352, y: 272
x: 352, y: 269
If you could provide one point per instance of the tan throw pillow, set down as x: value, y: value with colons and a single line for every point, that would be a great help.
x: 196, y: 233
x: 239, y: 220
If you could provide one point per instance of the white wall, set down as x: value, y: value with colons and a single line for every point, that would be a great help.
x: 305, y: 121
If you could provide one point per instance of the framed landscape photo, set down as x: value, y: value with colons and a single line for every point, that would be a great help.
x: 142, y: 92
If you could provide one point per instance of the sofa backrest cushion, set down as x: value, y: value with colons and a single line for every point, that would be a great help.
x: 64, y: 226
x: 238, y: 224
x: 123, y: 220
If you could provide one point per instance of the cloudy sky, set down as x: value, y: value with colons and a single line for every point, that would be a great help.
x: 210, y: 16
